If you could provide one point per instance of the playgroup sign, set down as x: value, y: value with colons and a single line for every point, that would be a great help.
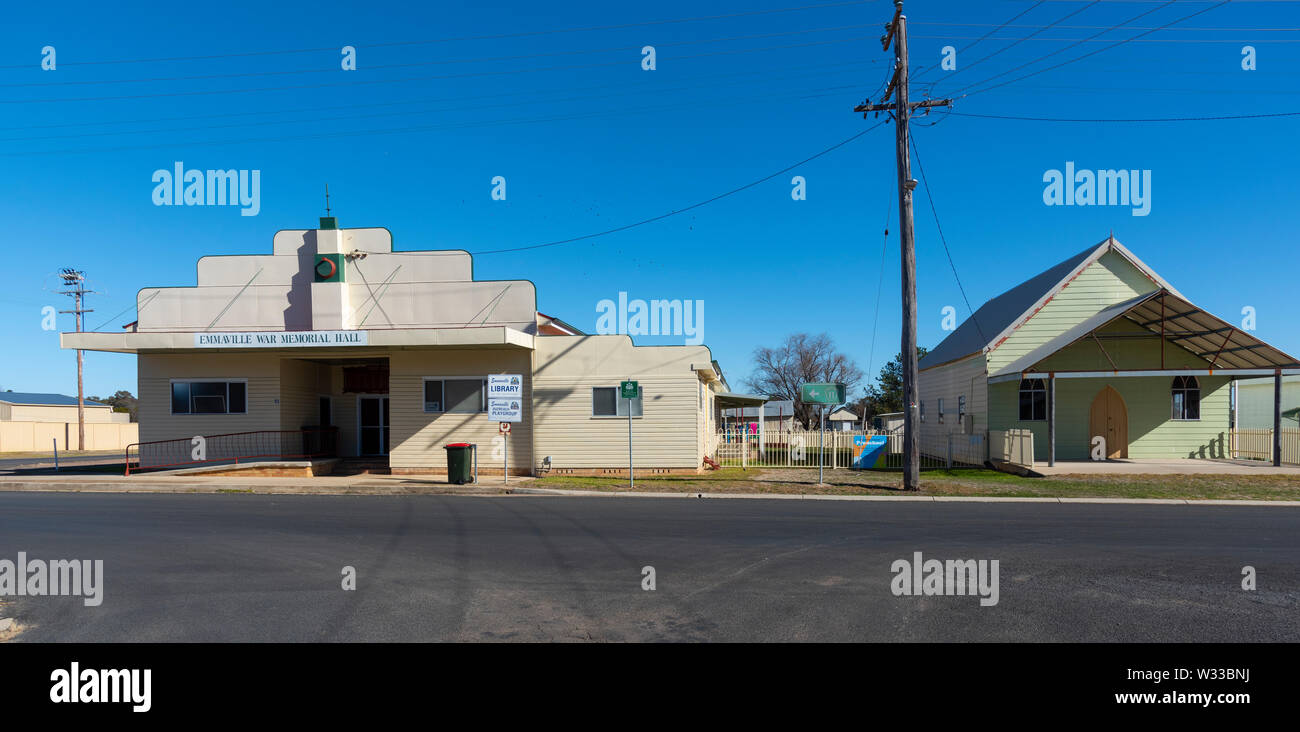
x: 870, y: 451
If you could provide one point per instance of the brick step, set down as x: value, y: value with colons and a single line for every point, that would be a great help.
x: 361, y: 466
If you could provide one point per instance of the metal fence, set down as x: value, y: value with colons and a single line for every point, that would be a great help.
x: 802, y: 449
x: 1258, y: 445
x: 234, y: 447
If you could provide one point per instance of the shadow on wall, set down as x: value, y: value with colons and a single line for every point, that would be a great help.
x: 297, y: 315
x: 1213, y: 450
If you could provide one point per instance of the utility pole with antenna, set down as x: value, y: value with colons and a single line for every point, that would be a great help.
x: 901, y: 109
x: 76, y: 280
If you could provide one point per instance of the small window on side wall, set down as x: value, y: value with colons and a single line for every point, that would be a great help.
x: 606, y: 402
x: 1033, y: 400
x: 1185, y: 396
x: 209, y: 397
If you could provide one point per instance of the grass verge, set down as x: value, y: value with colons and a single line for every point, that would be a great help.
x: 951, y: 483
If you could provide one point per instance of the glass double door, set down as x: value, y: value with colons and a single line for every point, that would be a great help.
x: 372, y: 413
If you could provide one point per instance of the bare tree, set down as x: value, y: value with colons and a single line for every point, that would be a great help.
x: 778, y: 372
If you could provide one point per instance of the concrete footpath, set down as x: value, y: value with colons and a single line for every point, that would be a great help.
x: 365, y: 484
x: 433, y: 485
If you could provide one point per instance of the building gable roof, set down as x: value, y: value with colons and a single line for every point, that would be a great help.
x: 1000, y: 316
x: 1220, y: 345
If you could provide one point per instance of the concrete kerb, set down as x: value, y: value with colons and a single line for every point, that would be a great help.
x: 394, y: 486
x: 904, y: 497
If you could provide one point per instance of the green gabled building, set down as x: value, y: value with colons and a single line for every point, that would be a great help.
x: 1097, y: 346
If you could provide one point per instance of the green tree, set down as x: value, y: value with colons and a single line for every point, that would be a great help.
x: 121, y: 401
x: 886, y: 395
x: 800, y: 359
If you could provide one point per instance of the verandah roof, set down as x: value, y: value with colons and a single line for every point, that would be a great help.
x: 1223, y: 347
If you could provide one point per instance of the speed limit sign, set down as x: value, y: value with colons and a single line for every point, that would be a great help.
x: 505, y: 428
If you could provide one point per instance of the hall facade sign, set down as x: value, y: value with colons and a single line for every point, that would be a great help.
x: 259, y: 339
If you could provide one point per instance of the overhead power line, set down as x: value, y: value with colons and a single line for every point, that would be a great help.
x: 693, y: 104
x: 968, y: 46
x: 454, y: 39
x: 691, y: 207
x: 765, y: 74
x: 1058, y: 51
x: 967, y: 67
x: 939, y: 227
x: 1101, y: 50
x: 370, y: 82
x: 435, y: 62
x: 1128, y: 119
x: 514, y: 102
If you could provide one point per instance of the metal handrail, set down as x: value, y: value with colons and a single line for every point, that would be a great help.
x: 256, y: 441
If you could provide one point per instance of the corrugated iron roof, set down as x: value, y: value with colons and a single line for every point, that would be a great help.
x: 43, y: 400
x: 1220, y: 345
x: 999, y: 317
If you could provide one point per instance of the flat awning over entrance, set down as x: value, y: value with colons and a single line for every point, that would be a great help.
x: 384, y: 338
x: 727, y: 399
x: 1224, y: 349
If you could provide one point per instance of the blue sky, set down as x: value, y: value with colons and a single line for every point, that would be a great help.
x: 587, y: 140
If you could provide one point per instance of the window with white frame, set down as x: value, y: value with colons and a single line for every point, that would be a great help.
x: 922, y: 405
x: 209, y: 396
x: 606, y: 402
x: 1186, y: 398
x: 940, y: 410
x: 1033, y: 400
x: 961, y: 406
x: 455, y: 396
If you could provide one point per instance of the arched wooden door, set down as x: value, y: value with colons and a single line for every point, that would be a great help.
x: 1109, y: 419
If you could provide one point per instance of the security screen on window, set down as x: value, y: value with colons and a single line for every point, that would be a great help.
x: 605, y: 402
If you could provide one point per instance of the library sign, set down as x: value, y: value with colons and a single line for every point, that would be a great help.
x: 286, y: 339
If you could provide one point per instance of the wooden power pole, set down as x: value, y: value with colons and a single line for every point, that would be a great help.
x: 901, y: 108
x: 76, y: 280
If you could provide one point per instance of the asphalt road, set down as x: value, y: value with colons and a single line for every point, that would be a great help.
x: 46, y: 463
x: 268, y: 568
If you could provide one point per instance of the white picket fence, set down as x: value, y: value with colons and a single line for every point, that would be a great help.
x: 800, y: 449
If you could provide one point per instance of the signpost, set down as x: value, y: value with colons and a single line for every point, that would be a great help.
x: 814, y: 393
x: 505, y: 405
x: 629, y: 390
x: 822, y: 394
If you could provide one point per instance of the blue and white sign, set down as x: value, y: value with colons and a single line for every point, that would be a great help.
x: 505, y: 386
x: 506, y: 410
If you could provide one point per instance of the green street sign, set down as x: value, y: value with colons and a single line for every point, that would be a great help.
x: 822, y: 393
x: 627, y: 389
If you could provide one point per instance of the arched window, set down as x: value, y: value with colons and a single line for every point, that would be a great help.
x: 1033, y: 399
x: 1186, y: 398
